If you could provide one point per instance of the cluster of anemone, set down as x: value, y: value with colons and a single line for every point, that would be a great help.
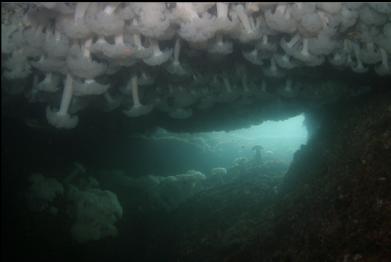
x: 93, y: 211
x: 142, y: 57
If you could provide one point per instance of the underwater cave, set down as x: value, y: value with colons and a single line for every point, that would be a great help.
x: 196, y: 132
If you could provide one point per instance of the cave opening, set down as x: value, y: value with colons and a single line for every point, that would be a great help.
x: 271, y: 143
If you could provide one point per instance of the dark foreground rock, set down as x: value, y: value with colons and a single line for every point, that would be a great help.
x: 335, y: 203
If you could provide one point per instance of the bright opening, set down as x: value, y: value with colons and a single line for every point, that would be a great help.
x: 173, y: 153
